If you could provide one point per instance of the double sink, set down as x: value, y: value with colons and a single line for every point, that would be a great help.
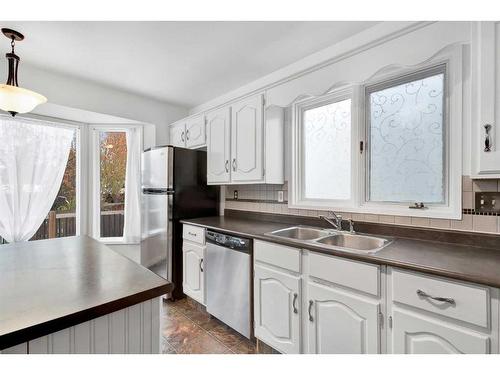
x: 337, y: 240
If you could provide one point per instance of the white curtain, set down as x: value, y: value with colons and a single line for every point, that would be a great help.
x: 33, y: 157
x: 132, y: 219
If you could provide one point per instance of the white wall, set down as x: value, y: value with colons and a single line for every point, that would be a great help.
x: 89, y: 96
x: 356, y: 60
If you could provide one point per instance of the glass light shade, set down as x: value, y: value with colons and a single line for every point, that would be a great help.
x: 19, y: 100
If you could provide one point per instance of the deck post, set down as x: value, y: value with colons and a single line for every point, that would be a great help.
x: 52, y: 224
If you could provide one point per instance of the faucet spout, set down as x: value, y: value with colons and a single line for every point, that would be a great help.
x: 334, y: 220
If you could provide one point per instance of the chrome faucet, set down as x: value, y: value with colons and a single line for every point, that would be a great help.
x: 334, y: 220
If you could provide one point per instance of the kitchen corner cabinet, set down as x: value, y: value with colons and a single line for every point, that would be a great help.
x: 237, y: 143
x: 193, y: 255
x: 189, y: 132
x: 485, y: 100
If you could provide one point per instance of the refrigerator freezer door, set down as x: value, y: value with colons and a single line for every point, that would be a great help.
x: 157, y: 168
x: 156, y: 234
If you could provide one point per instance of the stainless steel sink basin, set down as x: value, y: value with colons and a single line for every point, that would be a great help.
x: 301, y: 233
x: 332, y: 238
x: 356, y: 242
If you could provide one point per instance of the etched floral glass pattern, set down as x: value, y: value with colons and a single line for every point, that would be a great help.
x: 327, y: 151
x: 407, y: 142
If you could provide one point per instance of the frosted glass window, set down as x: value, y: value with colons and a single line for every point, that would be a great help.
x: 406, y: 146
x: 327, y: 151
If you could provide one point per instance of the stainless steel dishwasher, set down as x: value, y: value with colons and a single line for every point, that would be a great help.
x: 228, y: 272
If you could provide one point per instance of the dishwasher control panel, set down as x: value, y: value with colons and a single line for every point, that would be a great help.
x: 235, y: 243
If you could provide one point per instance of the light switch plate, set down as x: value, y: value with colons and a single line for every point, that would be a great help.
x: 280, y: 195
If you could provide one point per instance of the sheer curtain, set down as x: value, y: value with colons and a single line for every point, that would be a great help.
x: 33, y: 157
x: 132, y: 219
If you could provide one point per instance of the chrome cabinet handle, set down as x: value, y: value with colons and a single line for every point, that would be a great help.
x: 182, y: 136
x: 421, y: 293
x: 310, y: 307
x: 226, y: 165
x: 187, y: 135
x: 295, y: 311
x: 201, y: 264
x: 487, y: 138
x: 234, y: 164
x: 192, y: 234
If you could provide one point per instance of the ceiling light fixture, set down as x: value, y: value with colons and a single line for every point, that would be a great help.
x: 14, y: 99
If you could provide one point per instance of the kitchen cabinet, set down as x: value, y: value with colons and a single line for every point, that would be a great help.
x: 434, y: 315
x: 485, y: 99
x: 341, y: 322
x: 193, y: 255
x: 218, y: 146
x: 177, y: 134
x: 420, y: 334
x: 247, y: 150
x: 195, y: 132
x: 244, y: 144
x: 276, y: 308
x: 188, y: 132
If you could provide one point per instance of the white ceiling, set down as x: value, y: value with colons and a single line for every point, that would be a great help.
x: 186, y: 63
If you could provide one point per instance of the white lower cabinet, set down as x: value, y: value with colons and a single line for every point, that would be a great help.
x: 193, y: 280
x: 341, y: 322
x: 276, y: 309
x: 420, y: 334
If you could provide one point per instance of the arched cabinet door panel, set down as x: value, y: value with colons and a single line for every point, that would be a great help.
x: 219, y: 146
x: 178, y: 134
x: 193, y: 283
x: 340, y: 322
x: 276, y: 309
x: 247, y: 125
x: 419, y: 334
x: 195, y: 132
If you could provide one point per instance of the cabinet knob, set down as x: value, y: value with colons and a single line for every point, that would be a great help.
x: 311, y: 302
x: 182, y: 136
x: 295, y: 296
x: 187, y: 135
x: 226, y: 165
x: 234, y: 165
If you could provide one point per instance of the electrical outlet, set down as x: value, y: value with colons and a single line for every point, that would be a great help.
x: 235, y: 194
x: 280, y: 195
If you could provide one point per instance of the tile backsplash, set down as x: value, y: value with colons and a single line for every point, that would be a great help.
x: 264, y: 198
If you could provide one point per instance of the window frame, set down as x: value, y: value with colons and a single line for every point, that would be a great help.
x: 398, y: 80
x: 297, y: 198
x: 452, y: 59
x: 95, y: 173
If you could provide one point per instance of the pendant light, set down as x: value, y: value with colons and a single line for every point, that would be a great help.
x: 14, y: 99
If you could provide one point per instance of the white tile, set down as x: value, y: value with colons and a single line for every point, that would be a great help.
x: 386, y: 219
x: 420, y: 221
x: 466, y: 183
x: 464, y: 224
x: 402, y: 220
x: 467, y: 199
x: 483, y: 223
x: 440, y: 223
x: 371, y: 218
x: 485, y: 185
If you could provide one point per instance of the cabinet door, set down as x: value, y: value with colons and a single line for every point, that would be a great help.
x: 195, y: 132
x: 178, y: 134
x: 277, y: 309
x: 419, y: 334
x: 247, y: 140
x: 341, y: 322
x: 193, y: 282
x: 218, y: 146
x: 486, y: 66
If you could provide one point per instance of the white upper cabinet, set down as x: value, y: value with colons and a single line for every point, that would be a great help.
x: 178, y: 134
x: 247, y: 140
x: 218, y: 146
x: 195, y: 132
x: 485, y: 148
x: 341, y: 322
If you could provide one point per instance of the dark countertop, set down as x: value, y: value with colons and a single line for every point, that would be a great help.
x: 49, y: 285
x: 463, y: 262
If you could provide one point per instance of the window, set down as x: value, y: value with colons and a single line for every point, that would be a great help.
x: 406, y: 139
x: 382, y: 146
x: 112, y: 170
x: 324, y: 136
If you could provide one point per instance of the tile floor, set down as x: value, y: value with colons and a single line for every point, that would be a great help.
x: 188, y: 329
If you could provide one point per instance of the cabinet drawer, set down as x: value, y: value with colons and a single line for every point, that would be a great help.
x: 349, y: 273
x: 193, y: 233
x: 470, y: 302
x: 277, y: 255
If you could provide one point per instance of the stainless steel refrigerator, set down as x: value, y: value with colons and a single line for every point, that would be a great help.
x: 174, y: 187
